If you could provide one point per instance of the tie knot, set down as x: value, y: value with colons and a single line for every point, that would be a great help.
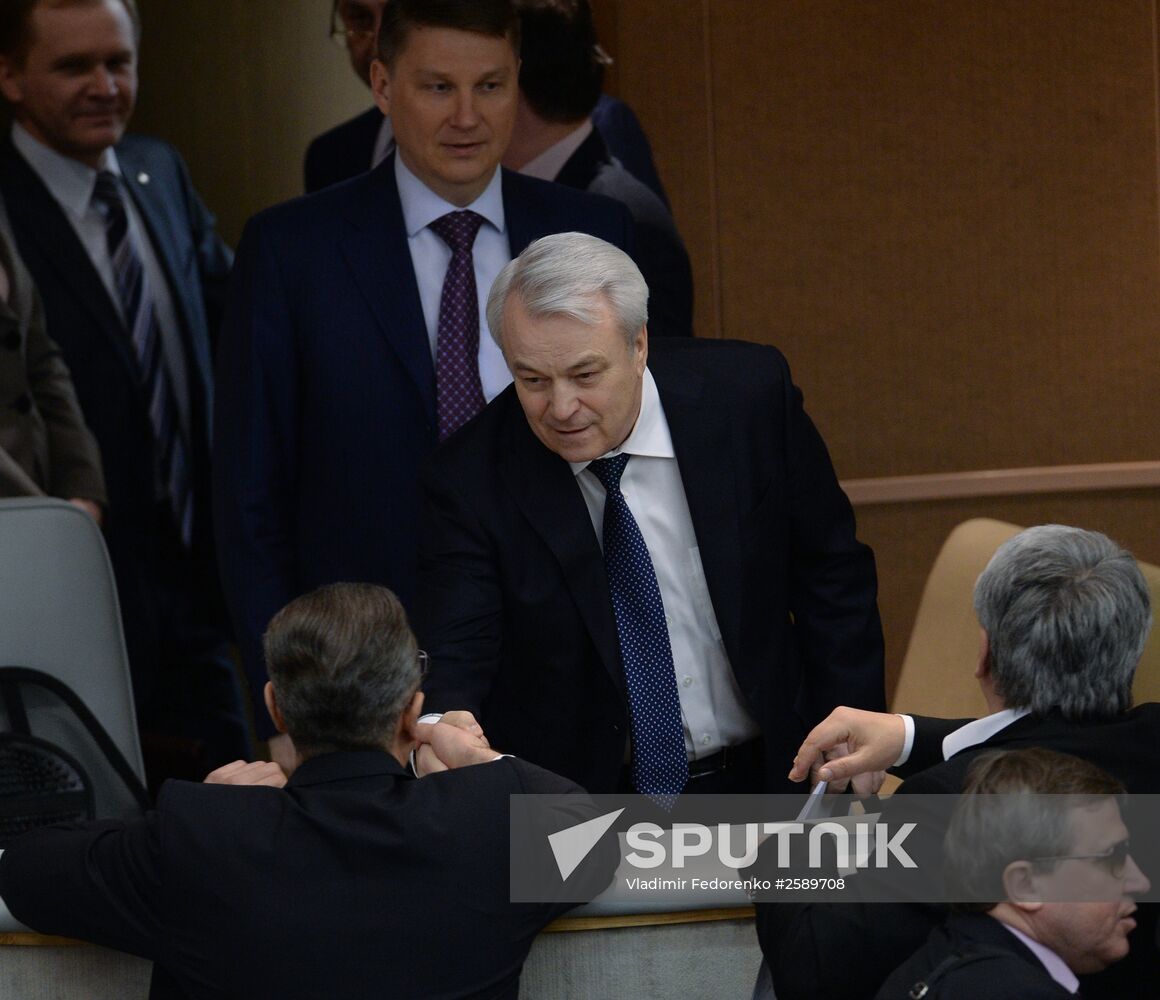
x: 609, y: 470
x: 458, y: 229
x: 107, y: 191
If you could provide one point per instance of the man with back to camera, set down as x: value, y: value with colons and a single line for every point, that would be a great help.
x: 561, y: 73
x: 1064, y: 615
x: 363, y: 142
x: 132, y: 275
x: 1041, y: 880
x: 612, y: 553
x: 354, y: 880
x: 354, y: 341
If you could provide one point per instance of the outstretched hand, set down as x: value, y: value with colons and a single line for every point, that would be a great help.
x: 444, y: 745
x: 873, y: 742
x: 239, y: 772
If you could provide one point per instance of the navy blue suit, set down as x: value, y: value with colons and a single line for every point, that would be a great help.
x: 170, y: 602
x: 326, y: 391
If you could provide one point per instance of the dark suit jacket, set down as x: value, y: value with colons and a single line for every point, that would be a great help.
x: 354, y: 881
x: 326, y: 392
x: 514, y: 607
x: 1006, y: 968
x: 809, y: 946
x: 83, y: 320
x: 659, y: 252
x: 45, y: 446
x: 345, y: 151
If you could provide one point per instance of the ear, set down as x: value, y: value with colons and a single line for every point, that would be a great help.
x: 1019, y: 885
x: 410, y: 719
x: 983, y: 667
x: 11, y: 81
x: 640, y: 350
x: 381, y: 85
x: 271, y: 700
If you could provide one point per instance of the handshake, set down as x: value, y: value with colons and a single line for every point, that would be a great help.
x: 455, y: 740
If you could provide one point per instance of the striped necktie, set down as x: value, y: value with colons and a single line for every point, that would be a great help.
x: 173, y: 467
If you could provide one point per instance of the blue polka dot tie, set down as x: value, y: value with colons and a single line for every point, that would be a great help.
x: 659, y: 763
x: 458, y: 392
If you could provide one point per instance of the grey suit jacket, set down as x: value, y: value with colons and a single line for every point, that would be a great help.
x: 45, y: 446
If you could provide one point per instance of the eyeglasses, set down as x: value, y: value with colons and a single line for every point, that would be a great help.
x: 1114, y: 859
x: 424, y: 663
x: 357, y: 25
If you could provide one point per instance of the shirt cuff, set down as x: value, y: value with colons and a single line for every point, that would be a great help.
x: 907, y: 741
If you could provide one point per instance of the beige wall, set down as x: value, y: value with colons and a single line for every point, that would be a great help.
x: 240, y: 87
x: 943, y: 211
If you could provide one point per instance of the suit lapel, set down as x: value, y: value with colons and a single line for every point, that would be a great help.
x: 36, y: 213
x: 546, y: 492
x: 166, y: 239
x: 701, y: 440
x: 379, y: 259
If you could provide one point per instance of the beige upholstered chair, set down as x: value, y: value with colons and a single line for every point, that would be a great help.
x: 937, y: 675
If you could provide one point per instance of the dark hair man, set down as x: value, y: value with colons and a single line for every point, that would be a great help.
x: 1038, y: 835
x: 611, y: 554
x: 561, y: 74
x: 355, y: 338
x: 132, y: 275
x: 362, y: 143
x: 354, y: 880
x: 1065, y: 614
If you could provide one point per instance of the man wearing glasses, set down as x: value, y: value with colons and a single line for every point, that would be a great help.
x: 1040, y: 832
x: 1064, y: 615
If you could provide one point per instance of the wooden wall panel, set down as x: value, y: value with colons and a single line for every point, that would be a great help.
x: 241, y: 87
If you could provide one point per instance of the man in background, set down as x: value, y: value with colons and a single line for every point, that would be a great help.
x: 45, y: 447
x: 1064, y: 615
x: 355, y: 340
x: 362, y: 143
x: 354, y: 880
x: 1041, y: 881
x: 132, y: 275
x: 561, y: 75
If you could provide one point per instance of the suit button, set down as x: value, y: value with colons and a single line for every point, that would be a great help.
x: 12, y: 340
x: 23, y: 404
x: 614, y: 727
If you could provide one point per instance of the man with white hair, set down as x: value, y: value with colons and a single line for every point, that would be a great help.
x: 1064, y: 615
x: 637, y: 567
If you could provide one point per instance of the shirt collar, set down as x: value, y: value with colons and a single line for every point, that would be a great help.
x: 422, y: 206
x: 1056, y: 967
x: 650, y: 437
x: 69, y: 181
x: 550, y: 162
x: 979, y: 731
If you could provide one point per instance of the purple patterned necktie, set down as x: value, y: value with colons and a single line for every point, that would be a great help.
x: 458, y: 392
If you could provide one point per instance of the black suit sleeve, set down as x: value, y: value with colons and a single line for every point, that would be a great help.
x: 929, y: 734
x: 461, y: 598
x: 98, y: 882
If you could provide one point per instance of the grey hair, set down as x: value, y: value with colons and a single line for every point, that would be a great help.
x: 344, y: 666
x: 1066, y: 612
x: 1016, y: 806
x: 569, y: 274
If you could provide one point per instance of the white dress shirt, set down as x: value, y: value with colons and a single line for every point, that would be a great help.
x: 430, y: 257
x: 712, y: 709
x: 970, y: 735
x: 1056, y: 967
x: 71, y: 184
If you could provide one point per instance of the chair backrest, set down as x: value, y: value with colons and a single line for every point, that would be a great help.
x: 59, y: 614
x: 937, y: 675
